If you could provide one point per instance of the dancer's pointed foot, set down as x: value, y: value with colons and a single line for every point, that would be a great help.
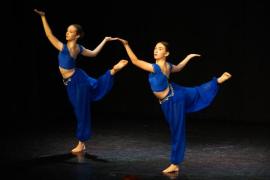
x: 224, y: 77
x: 79, y: 148
x: 120, y: 65
x: 172, y: 175
x: 172, y: 168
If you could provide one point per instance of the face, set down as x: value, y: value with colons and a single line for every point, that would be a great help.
x: 71, y: 33
x: 160, y: 51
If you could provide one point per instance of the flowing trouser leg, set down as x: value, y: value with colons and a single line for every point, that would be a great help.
x: 79, y: 95
x: 82, y: 90
x: 83, y: 114
x: 200, y: 97
x: 175, y: 115
x: 103, y: 86
x: 185, y: 99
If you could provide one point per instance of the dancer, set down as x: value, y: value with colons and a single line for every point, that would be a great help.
x: 82, y: 89
x: 175, y: 100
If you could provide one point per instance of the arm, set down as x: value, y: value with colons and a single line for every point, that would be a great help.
x: 183, y: 63
x: 55, y: 42
x: 93, y: 53
x: 137, y: 62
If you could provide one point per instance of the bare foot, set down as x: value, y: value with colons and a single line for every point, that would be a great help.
x: 122, y: 63
x: 172, y: 175
x: 79, y: 148
x: 224, y: 77
x: 171, y: 168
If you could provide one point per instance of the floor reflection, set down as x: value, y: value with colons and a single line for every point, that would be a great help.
x: 80, y: 158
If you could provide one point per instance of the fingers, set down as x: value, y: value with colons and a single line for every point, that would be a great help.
x: 114, y: 39
x: 36, y: 11
x: 108, y: 38
x: 41, y: 13
x: 195, y: 55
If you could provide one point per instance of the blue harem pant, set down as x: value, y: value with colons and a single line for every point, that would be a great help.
x: 82, y: 91
x: 182, y: 100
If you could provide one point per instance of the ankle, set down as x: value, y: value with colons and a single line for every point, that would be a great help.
x: 113, y: 71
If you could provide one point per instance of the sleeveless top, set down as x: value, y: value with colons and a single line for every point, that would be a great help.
x: 157, y: 79
x: 65, y: 60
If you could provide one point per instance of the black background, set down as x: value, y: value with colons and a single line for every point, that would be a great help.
x: 231, y: 36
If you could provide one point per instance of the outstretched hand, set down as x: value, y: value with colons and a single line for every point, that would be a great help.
x: 123, y: 41
x: 41, y: 13
x: 108, y: 38
x: 193, y: 55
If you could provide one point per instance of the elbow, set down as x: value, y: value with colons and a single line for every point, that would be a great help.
x: 178, y: 69
x: 134, y: 60
x: 93, y: 55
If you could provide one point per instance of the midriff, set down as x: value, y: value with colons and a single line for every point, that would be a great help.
x: 66, y: 73
x: 162, y: 94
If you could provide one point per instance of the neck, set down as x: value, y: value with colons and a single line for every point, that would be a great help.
x: 71, y: 43
x: 161, y: 61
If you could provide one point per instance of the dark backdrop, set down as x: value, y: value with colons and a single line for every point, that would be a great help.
x: 230, y: 36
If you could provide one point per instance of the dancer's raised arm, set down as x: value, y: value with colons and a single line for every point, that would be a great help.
x: 55, y: 42
x: 137, y: 62
x: 183, y: 63
x: 93, y: 53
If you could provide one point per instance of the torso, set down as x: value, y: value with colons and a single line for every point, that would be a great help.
x: 162, y: 94
x: 73, y: 52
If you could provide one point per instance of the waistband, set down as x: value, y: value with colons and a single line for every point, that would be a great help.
x: 67, y: 80
x: 170, y: 94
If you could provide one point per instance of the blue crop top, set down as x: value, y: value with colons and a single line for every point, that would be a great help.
x: 158, y: 80
x: 64, y: 58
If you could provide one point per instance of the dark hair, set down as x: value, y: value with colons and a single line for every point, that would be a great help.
x: 79, y: 30
x: 166, y: 44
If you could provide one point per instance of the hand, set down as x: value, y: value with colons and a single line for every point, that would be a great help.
x: 110, y: 39
x: 193, y: 55
x: 123, y: 41
x: 41, y: 13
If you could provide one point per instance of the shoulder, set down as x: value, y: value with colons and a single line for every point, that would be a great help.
x: 170, y: 65
x: 156, y: 67
x: 64, y: 47
x: 81, y: 48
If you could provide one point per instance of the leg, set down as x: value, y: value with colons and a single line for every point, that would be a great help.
x: 79, y: 96
x: 200, y: 97
x: 102, y: 87
x: 121, y: 64
x: 175, y: 115
x: 224, y: 77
